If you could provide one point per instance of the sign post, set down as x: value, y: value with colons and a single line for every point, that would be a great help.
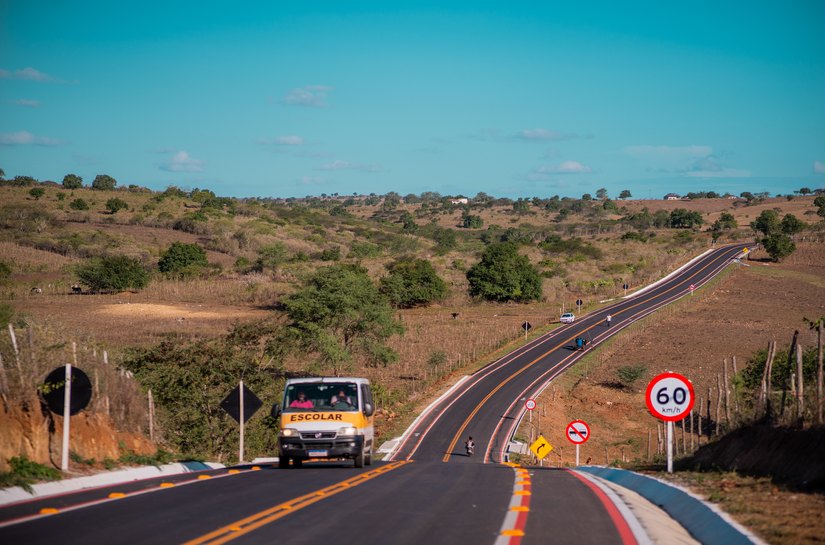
x: 578, y: 432
x: 541, y: 447
x: 692, y: 288
x: 530, y: 404
x: 241, y: 404
x: 67, y: 390
x: 670, y: 397
x: 67, y: 412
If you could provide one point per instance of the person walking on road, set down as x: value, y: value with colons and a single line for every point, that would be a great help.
x: 609, y: 317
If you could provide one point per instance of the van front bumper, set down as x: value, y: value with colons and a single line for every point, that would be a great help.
x: 306, y: 449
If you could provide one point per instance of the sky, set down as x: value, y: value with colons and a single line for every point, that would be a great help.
x: 289, y: 99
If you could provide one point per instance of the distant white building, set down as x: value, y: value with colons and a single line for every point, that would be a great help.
x: 672, y: 197
x: 462, y: 200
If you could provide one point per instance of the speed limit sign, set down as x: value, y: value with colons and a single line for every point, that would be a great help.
x: 530, y: 404
x: 670, y: 397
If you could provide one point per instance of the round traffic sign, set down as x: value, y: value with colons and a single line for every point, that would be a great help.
x: 530, y: 404
x: 578, y: 432
x: 53, y: 389
x: 670, y: 397
x: 692, y: 287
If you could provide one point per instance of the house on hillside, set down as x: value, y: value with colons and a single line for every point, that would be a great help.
x: 672, y: 197
x: 462, y: 200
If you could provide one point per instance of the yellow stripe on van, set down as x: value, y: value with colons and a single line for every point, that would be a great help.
x: 352, y: 418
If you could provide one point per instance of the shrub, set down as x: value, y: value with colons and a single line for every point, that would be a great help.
x: 411, y: 283
x: 629, y: 374
x: 183, y: 260
x: 79, y: 204
x: 114, y: 205
x: 779, y: 246
x: 36, y: 193
x: 113, y: 273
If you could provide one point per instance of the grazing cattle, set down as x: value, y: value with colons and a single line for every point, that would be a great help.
x: 76, y: 289
x: 36, y: 291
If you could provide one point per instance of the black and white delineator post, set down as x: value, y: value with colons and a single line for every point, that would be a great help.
x: 242, y: 422
x: 670, y: 397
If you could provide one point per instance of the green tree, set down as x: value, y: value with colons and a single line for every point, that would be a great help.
x: 445, y: 240
x: 791, y: 225
x: 805, y: 191
x: 79, y: 204
x: 778, y: 246
x: 819, y: 202
x: 504, y: 275
x: 115, y: 205
x: 72, y: 181
x: 521, y: 206
x: 471, y: 221
x: 37, y: 192
x: 104, y: 182
x: 587, y: 197
x: 601, y: 193
x: 685, y: 219
x: 115, y: 273
x: 412, y: 283
x: 625, y: 194
x: 339, y: 315
x: 183, y: 260
x: 629, y: 374
x: 189, y: 379
x: 767, y: 223
x: 727, y: 221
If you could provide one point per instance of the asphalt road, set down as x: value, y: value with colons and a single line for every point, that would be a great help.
x: 430, y: 493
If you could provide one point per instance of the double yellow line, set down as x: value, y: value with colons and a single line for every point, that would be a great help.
x: 252, y: 522
x: 492, y: 392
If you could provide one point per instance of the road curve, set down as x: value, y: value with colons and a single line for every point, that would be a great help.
x: 489, y: 405
x: 414, y: 498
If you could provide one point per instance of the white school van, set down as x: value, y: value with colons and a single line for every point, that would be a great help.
x: 326, y: 418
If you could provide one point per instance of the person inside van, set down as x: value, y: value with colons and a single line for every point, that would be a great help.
x: 341, y: 402
x: 301, y: 402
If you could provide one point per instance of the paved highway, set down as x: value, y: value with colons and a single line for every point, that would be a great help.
x: 429, y: 492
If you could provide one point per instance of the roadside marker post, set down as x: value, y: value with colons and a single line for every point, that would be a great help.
x: 692, y: 288
x: 670, y: 397
x: 578, y: 432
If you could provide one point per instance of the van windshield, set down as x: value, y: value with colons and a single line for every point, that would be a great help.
x: 341, y: 396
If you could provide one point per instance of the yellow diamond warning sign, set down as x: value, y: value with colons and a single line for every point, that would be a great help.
x: 541, y: 447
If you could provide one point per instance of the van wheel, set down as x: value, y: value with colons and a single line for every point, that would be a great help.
x: 359, y: 458
x: 283, y: 462
x: 368, y: 458
x: 297, y: 462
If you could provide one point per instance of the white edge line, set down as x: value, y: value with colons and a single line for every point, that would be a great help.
x: 669, y: 276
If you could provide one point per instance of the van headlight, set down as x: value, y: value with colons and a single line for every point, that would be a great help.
x: 348, y: 430
x: 289, y: 432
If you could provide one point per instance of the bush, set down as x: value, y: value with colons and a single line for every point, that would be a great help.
x: 504, y: 275
x: 629, y: 374
x: 114, y: 273
x: 79, y: 204
x: 779, y: 246
x: 25, y: 472
x: 36, y: 193
x: 183, y: 260
x: 411, y: 283
x: 115, y: 205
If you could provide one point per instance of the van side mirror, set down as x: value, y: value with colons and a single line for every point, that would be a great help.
x: 368, y: 409
x: 276, y: 411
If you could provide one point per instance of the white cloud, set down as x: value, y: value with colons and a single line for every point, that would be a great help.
x: 710, y: 167
x: 819, y: 167
x: 182, y: 162
x: 543, y: 134
x: 311, y: 180
x: 25, y: 138
x: 314, y: 96
x: 669, y: 151
x: 290, y: 140
x: 27, y: 73
x: 28, y: 103
x: 346, y: 165
x: 545, y: 172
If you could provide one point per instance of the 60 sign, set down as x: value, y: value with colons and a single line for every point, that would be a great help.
x: 670, y: 397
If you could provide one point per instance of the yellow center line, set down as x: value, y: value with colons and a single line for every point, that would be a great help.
x: 492, y: 392
x: 252, y: 522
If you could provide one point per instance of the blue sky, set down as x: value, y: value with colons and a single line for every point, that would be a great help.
x: 511, y: 98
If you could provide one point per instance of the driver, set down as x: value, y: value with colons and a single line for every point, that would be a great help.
x: 341, y: 401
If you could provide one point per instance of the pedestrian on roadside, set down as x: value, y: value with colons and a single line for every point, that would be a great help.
x: 609, y: 317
